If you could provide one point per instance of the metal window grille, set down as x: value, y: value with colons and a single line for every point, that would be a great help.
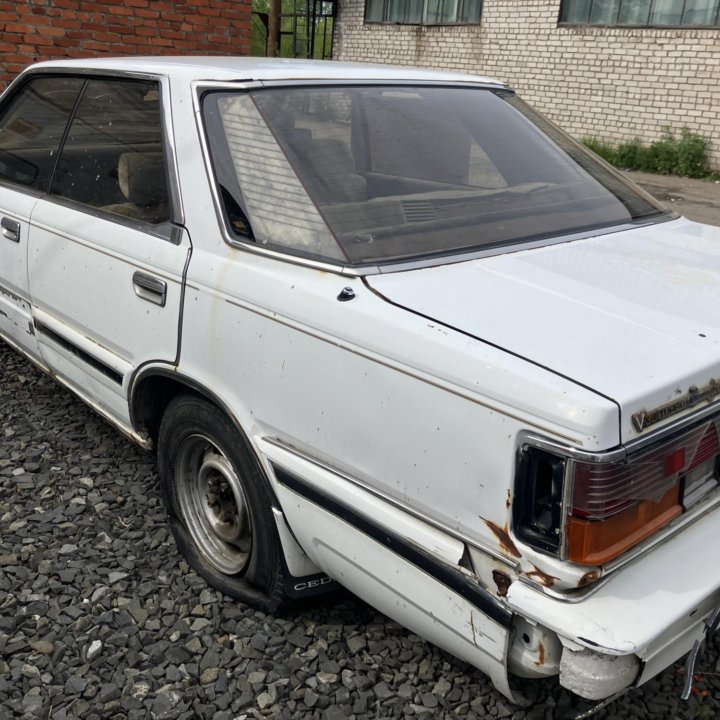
x: 642, y: 12
x: 424, y: 12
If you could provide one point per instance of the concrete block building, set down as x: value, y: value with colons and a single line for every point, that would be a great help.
x: 613, y: 69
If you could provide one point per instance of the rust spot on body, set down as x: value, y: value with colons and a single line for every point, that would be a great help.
x: 541, y: 655
x: 501, y: 533
x: 589, y: 577
x: 542, y: 577
x: 502, y: 581
x: 507, y: 501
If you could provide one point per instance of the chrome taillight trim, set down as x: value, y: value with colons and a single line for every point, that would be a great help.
x: 625, y: 453
x: 530, y: 439
x: 704, y: 507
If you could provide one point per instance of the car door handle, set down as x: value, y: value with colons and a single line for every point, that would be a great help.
x: 10, y: 229
x: 150, y: 288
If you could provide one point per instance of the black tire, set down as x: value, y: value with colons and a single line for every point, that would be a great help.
x: 219, y: 503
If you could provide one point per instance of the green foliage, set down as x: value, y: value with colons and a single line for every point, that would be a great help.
x: 629, y: 154
x: 693, y: 155
x: 604, y: 149
x: 296, y: 27
x: 686, y: 155
x: 258, y: 36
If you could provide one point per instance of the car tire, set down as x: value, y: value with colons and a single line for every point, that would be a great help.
x: 219, y: 503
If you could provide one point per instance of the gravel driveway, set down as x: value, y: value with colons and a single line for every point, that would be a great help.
x: 100, y: 618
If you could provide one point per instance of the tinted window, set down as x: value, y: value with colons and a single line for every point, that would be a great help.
x: 31, y: 129
x: 113, y: 157
x: 399, y: 173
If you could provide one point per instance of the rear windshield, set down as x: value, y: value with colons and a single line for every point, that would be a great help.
x: 384, y: 174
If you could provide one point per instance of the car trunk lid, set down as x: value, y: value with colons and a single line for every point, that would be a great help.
x: 633, y: 315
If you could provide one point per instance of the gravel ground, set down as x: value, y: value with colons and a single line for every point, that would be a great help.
x: 100, y: 618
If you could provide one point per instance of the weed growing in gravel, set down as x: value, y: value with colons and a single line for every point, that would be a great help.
x: 686, y: 155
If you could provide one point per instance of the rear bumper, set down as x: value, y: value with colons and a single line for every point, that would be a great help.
x: 654, y: 608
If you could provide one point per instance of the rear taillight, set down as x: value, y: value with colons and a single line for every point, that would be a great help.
x: 605, y: 508
x: 538, y: 500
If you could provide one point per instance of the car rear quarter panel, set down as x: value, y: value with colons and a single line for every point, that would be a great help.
x: 416, y: 411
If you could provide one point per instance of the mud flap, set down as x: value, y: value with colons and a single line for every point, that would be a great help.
x: 303, y: 579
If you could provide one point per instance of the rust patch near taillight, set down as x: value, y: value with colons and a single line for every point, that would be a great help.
x: 506, y: 542
x: 502, y: 581
x: 589, y: 577
x: 542, y: 577
x: 541, y: 655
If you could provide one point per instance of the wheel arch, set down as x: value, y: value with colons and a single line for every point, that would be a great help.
x: 151, y: 392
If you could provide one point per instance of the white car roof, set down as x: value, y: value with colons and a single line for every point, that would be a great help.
x: 223, y: 68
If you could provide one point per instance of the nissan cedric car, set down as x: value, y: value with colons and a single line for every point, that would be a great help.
x: 385, y: 328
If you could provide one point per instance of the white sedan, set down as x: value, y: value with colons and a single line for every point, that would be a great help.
x: 387, y: 328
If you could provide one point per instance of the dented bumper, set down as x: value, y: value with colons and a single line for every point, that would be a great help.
x: 650, y: 613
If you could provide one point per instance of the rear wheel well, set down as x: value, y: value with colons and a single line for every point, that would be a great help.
x: 152, y: 396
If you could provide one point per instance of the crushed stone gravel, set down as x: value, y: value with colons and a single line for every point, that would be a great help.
x: 100, y: 618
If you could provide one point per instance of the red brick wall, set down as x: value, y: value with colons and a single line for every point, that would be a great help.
x: 33, y: 30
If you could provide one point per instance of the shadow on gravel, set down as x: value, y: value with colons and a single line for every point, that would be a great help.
x: 101, y: 619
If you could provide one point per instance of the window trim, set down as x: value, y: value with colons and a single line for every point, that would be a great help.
x: 10, y: 94
x: 99, y: 211
x: 200, y: 87
x: 177, y: 215
x: 422, y: 23
x: 625, y: 26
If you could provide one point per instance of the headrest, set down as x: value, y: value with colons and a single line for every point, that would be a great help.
x: 141, y: 177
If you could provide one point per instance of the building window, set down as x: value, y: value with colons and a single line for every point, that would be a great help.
x: 642, y: 13
x: 423, y: 12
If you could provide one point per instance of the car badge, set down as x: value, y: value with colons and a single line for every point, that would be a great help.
x: 695, y: 395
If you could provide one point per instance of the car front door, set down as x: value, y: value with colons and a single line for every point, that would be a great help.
x: 106, y: 257
x: 33, y: 119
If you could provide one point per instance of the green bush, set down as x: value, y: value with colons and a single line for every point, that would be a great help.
x: 629, y: 154
x: 693, y: 155
x: 604, y: 149
x: 686, y: 156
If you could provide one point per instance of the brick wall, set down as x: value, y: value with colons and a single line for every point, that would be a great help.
x: 614, y: 83
x: 32, y: 30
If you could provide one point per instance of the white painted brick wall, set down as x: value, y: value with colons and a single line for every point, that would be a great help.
x: 614, y: 83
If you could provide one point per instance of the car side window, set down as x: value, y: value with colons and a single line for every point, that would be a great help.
x: 113, y: 158
x: 31, y: 129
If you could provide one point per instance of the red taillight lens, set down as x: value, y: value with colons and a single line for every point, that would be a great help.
x: 616, y: 505
x: 707, y: 448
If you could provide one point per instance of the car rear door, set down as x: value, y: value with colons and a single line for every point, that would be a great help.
x: 107, y: 250
x: 33, y: 119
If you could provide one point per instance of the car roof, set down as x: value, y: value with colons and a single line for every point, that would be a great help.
x: 223, y: 68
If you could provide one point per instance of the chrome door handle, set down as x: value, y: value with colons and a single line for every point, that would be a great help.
x: 10, y: 229
x: 150, y: 288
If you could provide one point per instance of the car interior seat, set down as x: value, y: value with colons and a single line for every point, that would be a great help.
x: 142, y: 181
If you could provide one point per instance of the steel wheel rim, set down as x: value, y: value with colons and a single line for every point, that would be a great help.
x: 213, y: 504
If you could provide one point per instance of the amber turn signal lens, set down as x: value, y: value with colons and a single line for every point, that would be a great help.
x: 593, y: 542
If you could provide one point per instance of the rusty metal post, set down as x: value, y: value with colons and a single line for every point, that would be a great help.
x: 273, y: 40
